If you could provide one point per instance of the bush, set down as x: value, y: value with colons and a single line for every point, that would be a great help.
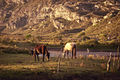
x: 82, y: 33
x: 85, y: 38
x: 111, y: 42
x: 103, y: 37
x: 90, y: 42
x: 28, y: 36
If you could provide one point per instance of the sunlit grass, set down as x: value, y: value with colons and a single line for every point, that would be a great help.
x: 25, y: 61
x: 20, y: 65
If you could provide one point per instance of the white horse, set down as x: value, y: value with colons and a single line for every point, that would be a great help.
x: 70, y: 47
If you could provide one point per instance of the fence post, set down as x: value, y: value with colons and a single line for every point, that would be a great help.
x: 108, y: 63
x: 88, y: 51
x: 58, y: 68
x: 59, y: 59
x: 114, y: 63
x: 118, y: 59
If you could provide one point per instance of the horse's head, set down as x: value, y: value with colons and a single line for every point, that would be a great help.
x: 32, y: 52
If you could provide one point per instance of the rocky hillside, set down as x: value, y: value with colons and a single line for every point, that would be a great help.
x: 107, y: 29
x: 58, y: 17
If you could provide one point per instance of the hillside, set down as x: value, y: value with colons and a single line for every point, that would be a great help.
x: 60, y: 20
x: 107, y: 29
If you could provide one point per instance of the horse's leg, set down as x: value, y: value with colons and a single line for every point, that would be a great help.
x: 43, y: 57
x: 47, y: 55
x: 35, y: 57
x: 67, y: 54
x: 43, y: 54
x: 38, y: 57
x: 74, y: 52
x: 64, y: 54
x: 47, y: 58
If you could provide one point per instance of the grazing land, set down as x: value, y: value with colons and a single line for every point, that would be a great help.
x: 23, y: 67
x: 94, y: 25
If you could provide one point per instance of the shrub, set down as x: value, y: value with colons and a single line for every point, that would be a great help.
x: 84, y: 38
x: 82, y: 33
x: 90, y: 42
x: 39, y: 38
x: 103, y: 37
x: 28, y: 36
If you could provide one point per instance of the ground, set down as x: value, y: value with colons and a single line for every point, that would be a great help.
x: 23, y: 67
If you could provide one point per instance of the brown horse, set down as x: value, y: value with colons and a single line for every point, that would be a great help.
x: 40, y: 49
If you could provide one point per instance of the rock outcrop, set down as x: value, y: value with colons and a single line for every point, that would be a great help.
x: 32, y: 16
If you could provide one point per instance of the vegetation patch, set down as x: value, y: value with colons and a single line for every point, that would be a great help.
x: 22, y: 66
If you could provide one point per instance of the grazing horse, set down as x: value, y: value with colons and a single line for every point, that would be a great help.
x: 70, y: 47
x: 40, y: 49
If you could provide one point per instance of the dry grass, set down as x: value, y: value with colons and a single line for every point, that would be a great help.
x: 23, y: 64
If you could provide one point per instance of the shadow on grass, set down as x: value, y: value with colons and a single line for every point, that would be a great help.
x: 39, y: 75
x: 10, y: 50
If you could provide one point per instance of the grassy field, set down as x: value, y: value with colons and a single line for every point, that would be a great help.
x: 23, y: 67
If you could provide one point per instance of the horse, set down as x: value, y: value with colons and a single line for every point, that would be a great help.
x: 40, y: 49
x: 70, y: 47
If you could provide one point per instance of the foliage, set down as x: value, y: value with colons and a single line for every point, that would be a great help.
x: 82, y: 33
x: 84, y: 38
x: 102, y: 37
x: 89, y: 42
x: 39, y: 38
x: 28, y: 36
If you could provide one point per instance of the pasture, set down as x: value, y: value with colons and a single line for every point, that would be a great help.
x: 23, y: 67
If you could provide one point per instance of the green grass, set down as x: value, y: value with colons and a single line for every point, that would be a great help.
x: 23, y: 67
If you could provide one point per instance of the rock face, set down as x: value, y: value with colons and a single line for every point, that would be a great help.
x: 32, y: 16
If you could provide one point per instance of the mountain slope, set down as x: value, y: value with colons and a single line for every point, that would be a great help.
x: 108, y: 29
x: 60, y: 18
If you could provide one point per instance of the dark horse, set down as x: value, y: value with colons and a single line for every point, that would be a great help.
x: 40, y: 49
